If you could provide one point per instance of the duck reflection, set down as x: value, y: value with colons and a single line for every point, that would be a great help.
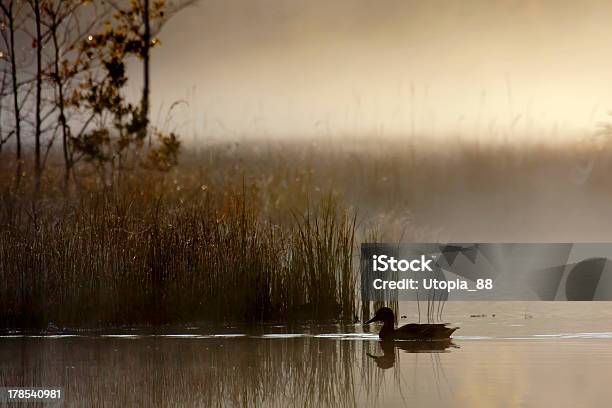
x: 389, y: 356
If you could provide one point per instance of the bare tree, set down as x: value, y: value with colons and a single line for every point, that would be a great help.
x: 3, y: 93
x: 37, y: 128
x: 71, y: 86
x: 10, y: 13
x: 66, y: 30
x: 146, y: 58
x: 59, y: 81
x: 153, y: 16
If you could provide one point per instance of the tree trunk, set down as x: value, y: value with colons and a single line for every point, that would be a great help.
x: 37, y: 135
x: 2, y: 89
x: 60, y: 103
x: 144, y: 104
x: 11, y: 20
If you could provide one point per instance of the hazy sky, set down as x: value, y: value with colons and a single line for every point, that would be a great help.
x: 295, y: 67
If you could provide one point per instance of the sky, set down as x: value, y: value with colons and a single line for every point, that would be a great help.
x: 290, y: 68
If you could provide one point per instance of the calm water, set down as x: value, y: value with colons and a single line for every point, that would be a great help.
x: 538, y: 354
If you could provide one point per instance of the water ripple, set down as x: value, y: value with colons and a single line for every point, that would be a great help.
x: 331, y: 336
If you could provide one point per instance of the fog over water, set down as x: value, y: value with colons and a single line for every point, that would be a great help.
x: 485, y: 68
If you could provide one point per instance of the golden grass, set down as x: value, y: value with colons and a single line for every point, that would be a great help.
x: 267, y: 231
x: 133, y: 257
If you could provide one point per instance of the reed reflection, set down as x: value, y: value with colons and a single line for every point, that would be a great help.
x: 305, y: 371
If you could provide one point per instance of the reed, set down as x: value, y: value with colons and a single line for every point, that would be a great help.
x: 139, y: 255
x: 266, y: 231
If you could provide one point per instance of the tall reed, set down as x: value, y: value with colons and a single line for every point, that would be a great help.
x: 264, y: 231
x: 131, y: 256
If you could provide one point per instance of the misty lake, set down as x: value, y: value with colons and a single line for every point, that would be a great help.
x: 505, y: 354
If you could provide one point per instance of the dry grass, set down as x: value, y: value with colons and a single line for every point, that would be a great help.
x: 151, y: 252
x: 266, y: 231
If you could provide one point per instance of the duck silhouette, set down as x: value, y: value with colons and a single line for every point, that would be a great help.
x: 412, y: 331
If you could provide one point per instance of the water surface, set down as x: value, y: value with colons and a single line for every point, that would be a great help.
x: 528, y: 354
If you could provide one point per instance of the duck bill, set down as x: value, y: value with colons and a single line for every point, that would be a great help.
x: 372, y: 320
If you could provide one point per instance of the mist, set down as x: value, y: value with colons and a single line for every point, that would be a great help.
x: 484, y: 69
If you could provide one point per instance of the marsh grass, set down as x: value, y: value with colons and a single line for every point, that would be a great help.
x: 323, y: 251
x: 147, y: 254
x: 266, y: 231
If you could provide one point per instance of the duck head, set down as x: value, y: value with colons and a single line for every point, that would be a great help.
x: 384, y: 315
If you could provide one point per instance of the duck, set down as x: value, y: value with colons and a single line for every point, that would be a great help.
x: 412, y: 331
